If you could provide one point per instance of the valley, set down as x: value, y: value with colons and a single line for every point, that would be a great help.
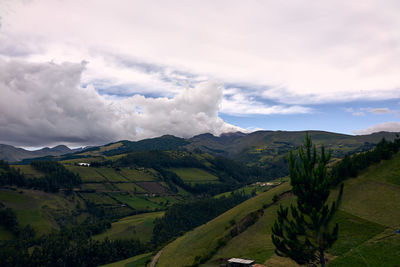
x: 199, y: 207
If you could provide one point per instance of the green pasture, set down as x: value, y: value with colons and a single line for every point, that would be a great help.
x: 130, y: 187
x: 194, y: 175
x: 133, y: 227
x: 372, y: 200
x: 382, y: 250
x: 29, y: 171
x: 387, y: 171
x: 36, y: 208
x: 136, y: 261
x: 88, y: 174
x: 137, y: 175
x: 111, y: 174
x: 135, y: 202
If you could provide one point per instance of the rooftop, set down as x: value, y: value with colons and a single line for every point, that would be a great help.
x: 243, y: 261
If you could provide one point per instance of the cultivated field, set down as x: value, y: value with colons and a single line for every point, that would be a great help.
x: 195, y: 175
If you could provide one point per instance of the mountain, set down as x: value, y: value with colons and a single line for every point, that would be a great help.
x: 257, y: 148
x: 13, y: 154
x: 265, y: 149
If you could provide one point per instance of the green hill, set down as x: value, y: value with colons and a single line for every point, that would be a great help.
x: 368, y: 217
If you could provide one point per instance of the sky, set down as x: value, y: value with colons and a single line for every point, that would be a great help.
x: 95, y: 71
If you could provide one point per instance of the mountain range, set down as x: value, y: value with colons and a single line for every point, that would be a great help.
x: 13, y: 154
x: 260, y: 148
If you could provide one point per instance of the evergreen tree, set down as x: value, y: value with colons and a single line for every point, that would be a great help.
x: 305, y: 233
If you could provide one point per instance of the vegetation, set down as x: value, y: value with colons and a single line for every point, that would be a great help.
x: 115, y: 190
x: 306, y: 234
x: 56, y: 177
x: 350, y: 166
x: 132, y: 227
x: 182, y: 217
x: 136, y: 261
x: 202, y: 243
x: 194, y: 175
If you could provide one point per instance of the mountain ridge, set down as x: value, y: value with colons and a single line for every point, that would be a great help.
x: 14, y: 154
x: 258, y: 147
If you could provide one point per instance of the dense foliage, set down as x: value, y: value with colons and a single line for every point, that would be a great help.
x: 350, y: 166
x: 56, y: 176
x: 183, y: 217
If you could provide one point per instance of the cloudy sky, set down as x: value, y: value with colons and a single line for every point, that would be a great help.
x: 95, y: 71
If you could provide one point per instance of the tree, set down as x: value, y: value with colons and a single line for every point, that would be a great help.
x: 305, y: 234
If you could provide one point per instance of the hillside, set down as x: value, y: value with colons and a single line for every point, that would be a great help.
x: 368, y: 217
x: 133, y: 202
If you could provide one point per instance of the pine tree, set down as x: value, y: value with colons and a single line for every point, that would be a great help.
x: 305, y: 233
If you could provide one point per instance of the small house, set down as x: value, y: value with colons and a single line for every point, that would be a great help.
x: 235, y: 262
x: 84, y: 164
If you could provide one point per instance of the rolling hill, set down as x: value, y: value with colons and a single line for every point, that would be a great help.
x: 368, y: 217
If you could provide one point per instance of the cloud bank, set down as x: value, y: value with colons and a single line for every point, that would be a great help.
x: 44, y: 104
x: 393, y: 126
x: 294, y: 52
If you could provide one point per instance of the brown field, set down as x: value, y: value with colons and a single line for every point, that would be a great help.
x: 153, y: 187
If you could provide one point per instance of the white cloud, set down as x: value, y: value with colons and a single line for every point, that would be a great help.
x: 240, y: 104
x: 377, y: 111
x: 380, y: 111
x: 44, y: 104
x: 301, y: 51
x: 358, y: 113
x: 393, y: 126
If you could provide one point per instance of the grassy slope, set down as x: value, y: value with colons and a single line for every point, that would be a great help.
x: 137, y: 261
x: 135, y: 202
x: 369, y: 213
x: 137, y: 226
x: 87, y: 174
x: 37, y: 208
x: 137, y: 175
x: 194, y: 174
x: 29, y: 171
x: 203, y: 238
